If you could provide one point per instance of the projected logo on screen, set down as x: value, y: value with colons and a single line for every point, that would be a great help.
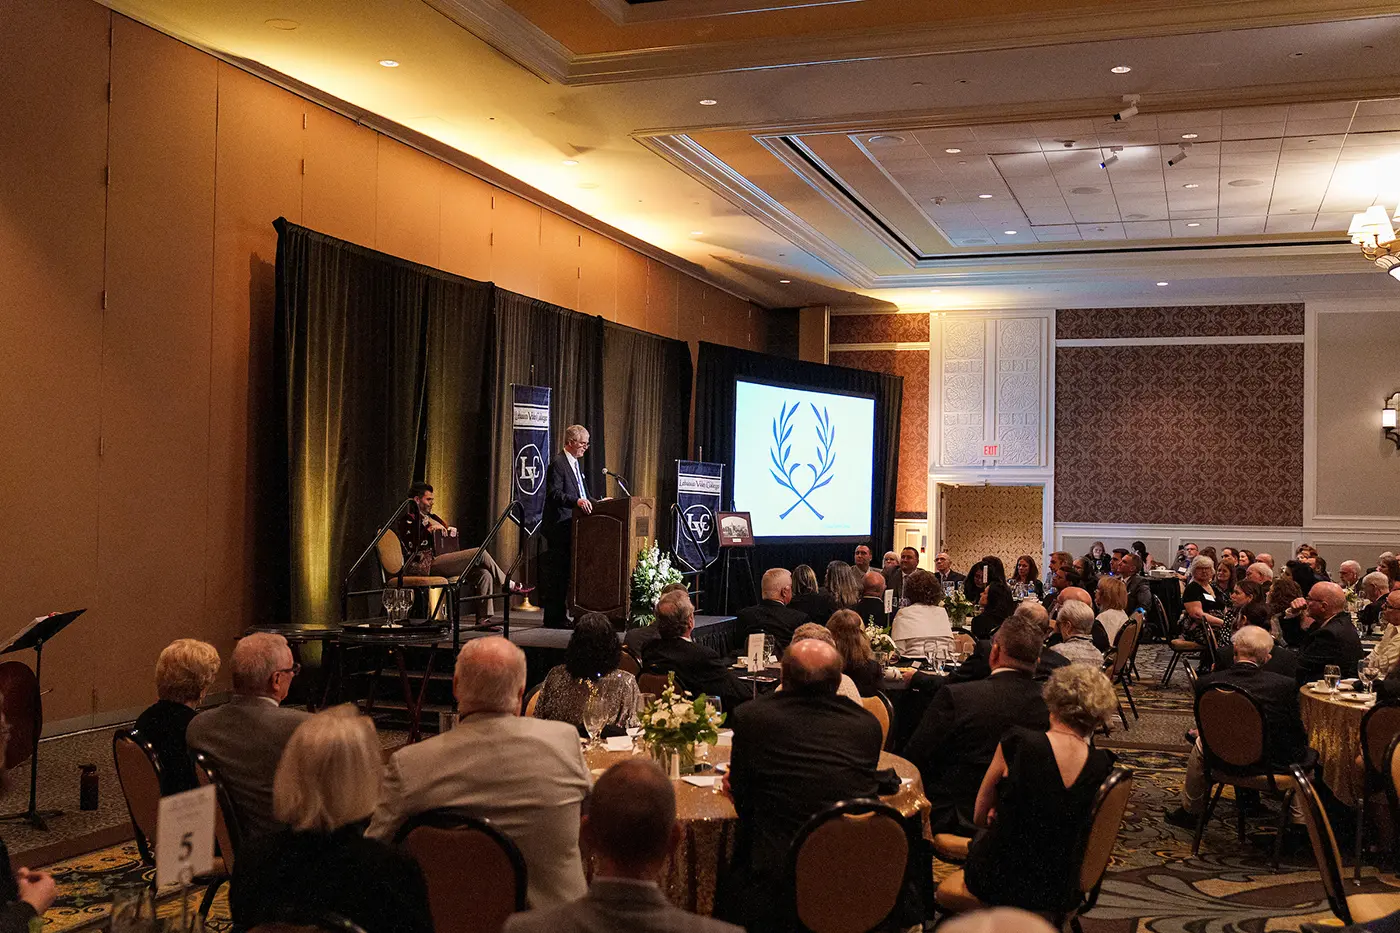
x: 787, y: 474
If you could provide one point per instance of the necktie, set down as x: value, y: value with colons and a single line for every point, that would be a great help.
x: 578, y: 478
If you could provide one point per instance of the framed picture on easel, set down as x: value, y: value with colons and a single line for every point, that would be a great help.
x: 735, y: 529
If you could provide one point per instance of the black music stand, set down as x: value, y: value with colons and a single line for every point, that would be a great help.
x: 34, y: 635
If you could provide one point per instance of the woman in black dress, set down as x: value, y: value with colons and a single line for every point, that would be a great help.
x: 808, y: 597
x: 997, y: 604
x: 1203, y: 605
x: 1026, y: 580
x: 1036, y: 798
x: 185, y: 671
x: 985, y: 572
x: 1101, y: 559
x: 857, y: 660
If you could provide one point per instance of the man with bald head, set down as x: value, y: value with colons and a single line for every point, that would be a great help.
x: 773, y: 616
x: 244, y: 738
x: 795, y: 753
x: 1260, y: 573
x: 1266, y: 559
x: 871, y: 607
x: 1320, y: 629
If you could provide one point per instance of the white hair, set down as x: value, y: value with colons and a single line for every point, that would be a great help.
x: 1253, y: 644
x: 1200, y: 561
x: 997, y: 920
x: 489, y: 677
x: 329, y: 773
x: 1352, y: 564
x: 574, y: 433
x: 774, y: 579
x: 1079, y: 616
x: 1376, y: 579
x: 254, y: 660
x: 1261, y: 568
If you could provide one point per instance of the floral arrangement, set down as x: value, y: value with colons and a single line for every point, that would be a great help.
x: 879, y: 637
x: 654, y: 571
x: 673, y: 723
x: 957, y: 605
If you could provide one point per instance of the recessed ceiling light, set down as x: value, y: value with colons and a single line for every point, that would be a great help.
x: 571, y: 161
x: 1193, y: 224
x: 1190, y: 135
x: 697, y: 233
x: 388, y: 63
x: 952, y: 151
x: 1244, y: 183
x: 935, y: 289
x: 1086, y: 189
x: 784, y: 281
x: 287, y: 25
x: 1163, y: 284
x: 984, y: 197
x: 885, y: 139
x: 1009, y: 232
x: 708, y: 102
x: 1192, y: 185
x: 1121, y: 69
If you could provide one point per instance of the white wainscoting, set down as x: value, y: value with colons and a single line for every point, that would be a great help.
x: 1334, y: 544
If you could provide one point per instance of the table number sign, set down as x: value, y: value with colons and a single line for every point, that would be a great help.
x: 185, y: 836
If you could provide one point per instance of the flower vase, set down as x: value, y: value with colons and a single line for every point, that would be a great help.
x: 881, y: 657
x: 675, y: 760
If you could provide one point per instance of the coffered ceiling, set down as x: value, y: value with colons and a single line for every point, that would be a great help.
x: 798, y: 151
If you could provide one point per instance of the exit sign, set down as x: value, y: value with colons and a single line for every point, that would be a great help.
x: 991, y: 450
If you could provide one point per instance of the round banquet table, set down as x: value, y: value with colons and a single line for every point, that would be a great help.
x: 708, y: 822
x: 1334, y: 730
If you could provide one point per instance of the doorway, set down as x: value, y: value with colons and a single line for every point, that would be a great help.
x: 976, y: 520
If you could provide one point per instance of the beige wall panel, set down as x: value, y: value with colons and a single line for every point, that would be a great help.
x: 53, y: 108
x: 560, y: 252
x: 155, y: 377
x: 258, y: 174
x: 515, y: 243
x: 812, y: 334
x: 408, y: 221
x: 1356, y: 372
x: 338, y: 191
x: 466, y: 223
x: 597, y: 292
x: 695, y: 314
x: 663, y: 299
x: 631, y: 288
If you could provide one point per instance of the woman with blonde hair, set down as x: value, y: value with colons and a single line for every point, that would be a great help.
x: 857, y: 660
x: 185, y: 671
x: 325, y: 790
x: 843, y: 584
x: 1111, y: 596
x: 808, y: 597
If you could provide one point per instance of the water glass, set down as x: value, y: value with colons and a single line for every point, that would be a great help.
x: 390, y: 597
x: 1330, y: 675
x: 1369, y: 672
x: 405, y: 603
x: 597, y: 712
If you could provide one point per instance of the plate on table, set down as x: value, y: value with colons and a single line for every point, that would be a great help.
x: 1353, y: 697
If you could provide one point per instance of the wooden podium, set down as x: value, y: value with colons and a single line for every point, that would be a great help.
x: 605, y: 554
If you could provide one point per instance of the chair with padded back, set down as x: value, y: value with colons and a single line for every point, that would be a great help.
x: 651, y: 683
x: 1184, y: 651
x: 1232, y: 739
x: 1379, y: 727
x: 475, y: 874
x: 138, y: 773
x: 865, y: 843
x: 1390, y: 768
x: 882, y: 709
x: 226, y: 831
x: 629, y: 663
x: 1116, y: 665
x: 532, y: 698
x: 1349, y: 908
x: 391, y: 562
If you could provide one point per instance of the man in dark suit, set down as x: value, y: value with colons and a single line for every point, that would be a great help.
x: 1320, y: 629
x: 1139, y: 593
x: 894, y: 577
x: 795, y: 753
x: 861, y: 559
x: 871, y: 607
x: 565, y: 489
x: 1285, y: 740
x: 958, y: 735
x: 697, y: 668
x: 943, y: 569
x: 772, y: 615
x: 1373, y: 587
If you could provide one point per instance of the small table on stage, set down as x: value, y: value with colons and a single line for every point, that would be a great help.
x: 395, y: 639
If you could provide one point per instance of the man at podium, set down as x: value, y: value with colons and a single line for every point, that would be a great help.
x: 417, y: 532
x: 565, y: 489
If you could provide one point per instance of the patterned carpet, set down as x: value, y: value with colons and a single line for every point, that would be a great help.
x: 87, y: 884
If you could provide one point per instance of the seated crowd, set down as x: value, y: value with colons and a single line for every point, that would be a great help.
x: 1003, y: 743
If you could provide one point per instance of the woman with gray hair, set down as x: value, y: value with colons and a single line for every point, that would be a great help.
x: 1202, y: 606
x: 326, y: 787
x: 185, y: 671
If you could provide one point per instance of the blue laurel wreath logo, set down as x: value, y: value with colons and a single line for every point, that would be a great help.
x: 785, y: 473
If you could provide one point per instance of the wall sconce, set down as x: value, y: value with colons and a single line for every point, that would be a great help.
x: 1388, y: 419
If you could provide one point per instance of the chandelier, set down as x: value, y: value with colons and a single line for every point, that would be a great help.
x: 1374, y: 232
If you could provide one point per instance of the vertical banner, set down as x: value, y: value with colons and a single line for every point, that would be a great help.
x: 530, y: 419
x: 697, y: 496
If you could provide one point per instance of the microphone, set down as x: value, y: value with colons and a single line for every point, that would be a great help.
x: 621, y: 480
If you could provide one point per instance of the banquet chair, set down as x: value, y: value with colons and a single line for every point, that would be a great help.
x: 1116, y: 665
x: 1379, y: 728
x: 138, y: 773
x: 882, y: 709
x: 391, y: 562
x: 1349, y: 908
x: 651, y: 683
x: 532, y: 699
x: 1231, y: 727
x: 1184, y: 651
x: 1391, y: 767
x: 475, y: 874
x: 226, y: 831
x: 865, y: 843
x: 1100, y: 836
x: 963, y: 642
x: 629, y: 663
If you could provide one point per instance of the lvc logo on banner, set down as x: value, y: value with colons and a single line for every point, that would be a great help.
x: 529, y: 469
x: 701, y: 521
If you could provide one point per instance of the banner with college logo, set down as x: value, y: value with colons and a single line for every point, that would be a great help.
x: 530, y: 420
x: 697, y: 495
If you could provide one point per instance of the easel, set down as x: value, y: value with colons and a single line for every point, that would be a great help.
x: 34, y: 635
x: 732, y: 559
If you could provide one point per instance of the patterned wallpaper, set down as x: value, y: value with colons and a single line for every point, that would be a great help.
x: 1004, y: 521
x: 1217, y: 321
x: 1191, y: 435
x: 911, y: 494
x: 879, y: 328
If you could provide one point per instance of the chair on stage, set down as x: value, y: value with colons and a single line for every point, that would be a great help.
x: 391, y: 563
x: 476, y: 876
x: 864, y: 842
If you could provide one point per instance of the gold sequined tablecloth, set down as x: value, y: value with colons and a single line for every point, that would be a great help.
x: 708, y: 822
x: 1334, y: 730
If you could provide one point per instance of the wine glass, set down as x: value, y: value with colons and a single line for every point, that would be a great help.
x: 390, y: 597
x: 405, y: 603
x: 1369, y: 672
x: 1330, y: 675
x: 597, y: 711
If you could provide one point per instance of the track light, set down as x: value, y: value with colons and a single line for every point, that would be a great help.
x: 1180, y: 156
x: 1112, y: 156
x: 1129, y: 111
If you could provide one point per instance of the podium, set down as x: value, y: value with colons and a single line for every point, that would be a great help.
x: 605, y: 554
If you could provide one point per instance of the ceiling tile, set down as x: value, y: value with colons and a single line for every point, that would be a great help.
x: 1289, y: 223
x: 1316, y: 127
x: 1332, y: 223
x: 1332, y: 110
x: 1055, y: 234
x: 1370, y: 108
x: 1149, y: 230
x: 1240, y: 226
x: 1110, y: 231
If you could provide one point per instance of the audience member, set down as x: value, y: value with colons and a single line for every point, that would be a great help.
x: 1186, y: 556
x: 1025, y: 582
x: 1075, y: 622
x: 1225, y: 577
x: 1390, y: 566
x: 1349, y: 575
x: 957, y: 738
x: 996, y: 603
x: 1202, y: 607
x: 843, y: 584
x: 1307, y: 555
x: 1103, y: 563
x: 244, y: 738
x: 25, y: 895
x: 861, y: 559
x: 1374, y: 586
x: 857, y: 660
x: 1301, y: 574
x: 821, y: 633
x: 1260, y: 573
x: 326, y: 787
x: 1144, y: 559
x: 1112, y: 599
x: 698, y: 669
x: 1385, y: 655
x: 996, y: 920
x: 527, y: 776
x: 1321, y: 631
x: 1139, y: 591
x: 1087, y: 573
x: 629, y: 832
x: 638, y: 638
x: 1036, y: 798
x: 943, y: 567
x: 808, y: 598
x: 871, y: 607
x: 889, y: 562
x: 894, y: 579
x: 185, y: 671
x: 983, y: 574
x: 1244, y: 557
x: 922, y: 626
x: 1266, y: 559
x: 795, y: 753
x: 1282, y: 660
x: 773, y: 616
x: 1282, y: 594
x: 1285, y: 741
x: 590, y: 666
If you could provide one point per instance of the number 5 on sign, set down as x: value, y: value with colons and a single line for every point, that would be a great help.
x: 185, y: 836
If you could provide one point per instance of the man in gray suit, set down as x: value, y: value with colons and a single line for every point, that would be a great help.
x: 244, y: 738
x: 630, y: 830
x: 525, y: 775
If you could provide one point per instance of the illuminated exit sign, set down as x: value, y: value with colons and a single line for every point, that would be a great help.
x: 991, y: 450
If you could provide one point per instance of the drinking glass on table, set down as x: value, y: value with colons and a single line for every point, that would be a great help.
x: 597, y: 712
x: 1368, y: 673
x: 389, y: 596
x: 1330, y: 675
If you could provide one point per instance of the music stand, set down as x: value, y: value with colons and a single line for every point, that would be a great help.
x: 34, y: 635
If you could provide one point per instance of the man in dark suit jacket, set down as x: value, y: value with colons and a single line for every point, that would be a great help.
x: 871, y: 607
x: 943, y: 569
x: 565, y: 489
x: 1139, y: 593
x: 1318, y: 642
x: 894, y: 577
x: 772, y: 615
x: 1285, y: 740
x: 795, y: 753
x: 697, y: 668
x: 958, y: 735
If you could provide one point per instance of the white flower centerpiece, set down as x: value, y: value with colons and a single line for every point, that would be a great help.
x: 654, y: 571
x: 674, y: 723
x: 958, y: 606
x: 881, y: 644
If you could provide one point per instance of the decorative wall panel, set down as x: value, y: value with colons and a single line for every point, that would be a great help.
x: 963, y: 392
x: 1004, y: 521
x: 1018, y: 398
x: 911, y: 494
x: 879, y: 328
x: 1179, y: 435
x: 1208, y: 321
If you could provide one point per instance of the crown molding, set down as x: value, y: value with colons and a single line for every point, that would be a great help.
x: 623, y: 13
x: 498, y: 25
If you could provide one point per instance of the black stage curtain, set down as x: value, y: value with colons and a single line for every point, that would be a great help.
x: 717, y: 370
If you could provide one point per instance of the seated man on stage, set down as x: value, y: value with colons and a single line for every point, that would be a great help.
x: 416, y: 530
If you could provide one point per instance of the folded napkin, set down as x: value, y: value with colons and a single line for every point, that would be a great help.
x: 700, y: 780
x: 619, y: 743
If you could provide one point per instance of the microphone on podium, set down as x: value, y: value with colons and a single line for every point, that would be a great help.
x: 621, y: 481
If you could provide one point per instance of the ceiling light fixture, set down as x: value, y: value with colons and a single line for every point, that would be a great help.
x: 697, y: 233
x: 784, y: 281
x: 1388, y: 414
x: 708, y: 102
x: 571, y: 161
x: 1180, y: 156
x: 952, y: 151
x: 985, y: 197
x: 1193, y: 224
x: 1009, y: 232
x: 1190, y: 135
x: 1121, y: 69
x: 1163, y: 284
x: 388, y: 63
x: 1374, y: 232
x: 1192, y: 185
x: 1111, y: 157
